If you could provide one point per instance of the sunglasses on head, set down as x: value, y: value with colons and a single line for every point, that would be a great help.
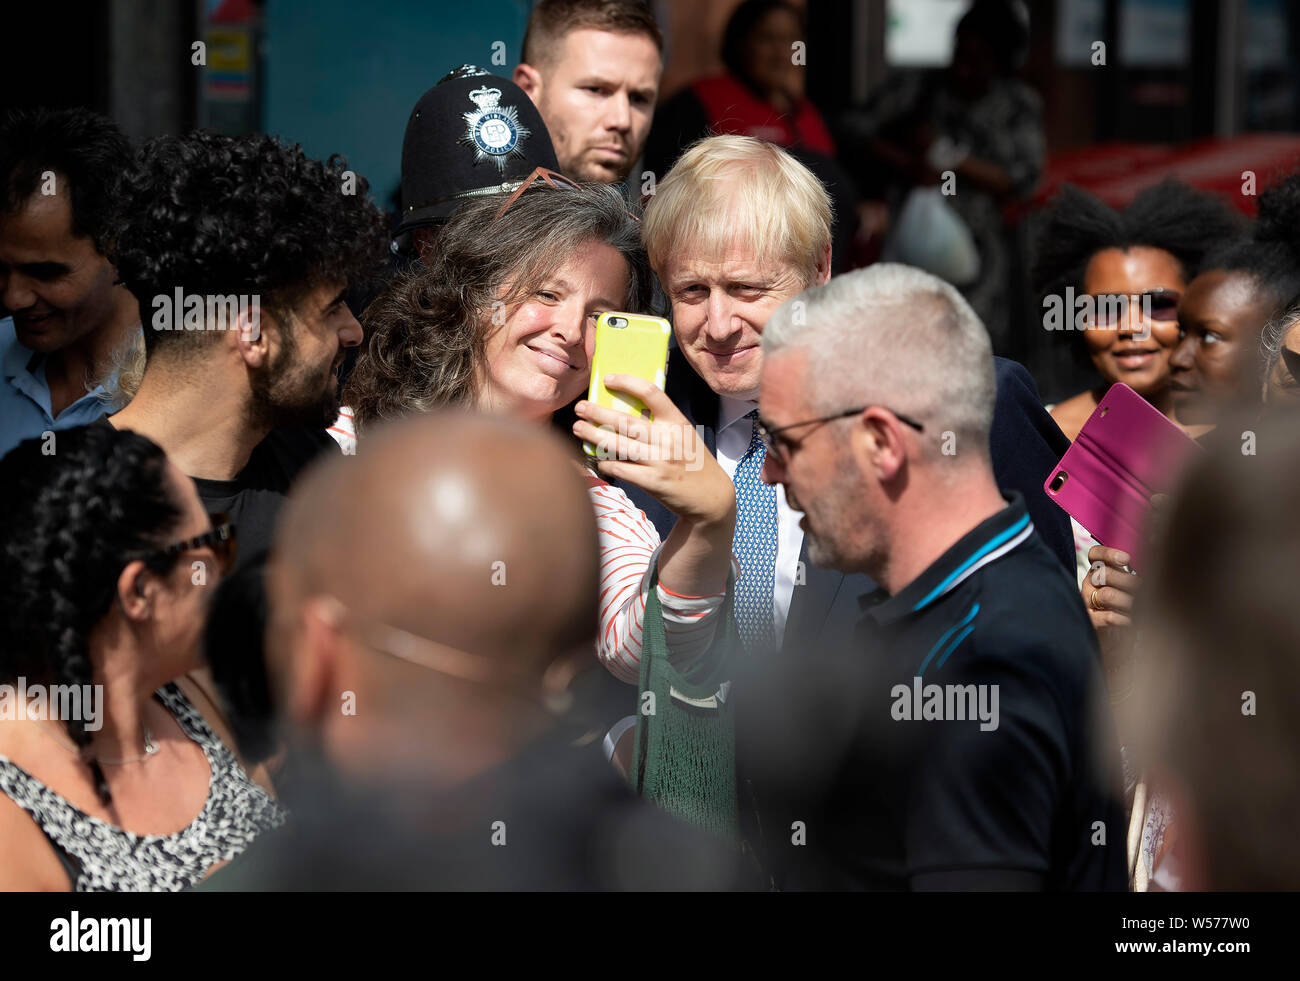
x: 551, y: 178
x: 1158, y: 305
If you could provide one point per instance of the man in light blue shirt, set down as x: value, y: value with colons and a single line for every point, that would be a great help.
x: 25, y: 407
x: 70, y: 321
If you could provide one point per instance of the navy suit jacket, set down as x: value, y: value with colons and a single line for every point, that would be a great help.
x: 1025, y: 445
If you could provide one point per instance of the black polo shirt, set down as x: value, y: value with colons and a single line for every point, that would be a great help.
x: 960, y: 740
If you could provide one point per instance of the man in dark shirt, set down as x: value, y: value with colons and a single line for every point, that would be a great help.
x: 254, y: 496
x: 239, y: 251
x: 958, y: 738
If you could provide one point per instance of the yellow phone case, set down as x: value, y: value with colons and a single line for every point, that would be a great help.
x: 627, y: 344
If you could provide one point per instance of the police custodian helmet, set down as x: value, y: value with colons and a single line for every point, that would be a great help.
x: 471, y: 134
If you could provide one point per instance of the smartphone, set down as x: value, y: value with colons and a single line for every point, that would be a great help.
x: 1125, y: 453
x: 627, y: 344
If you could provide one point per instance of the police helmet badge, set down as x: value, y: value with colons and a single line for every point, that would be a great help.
x: 493, y: 130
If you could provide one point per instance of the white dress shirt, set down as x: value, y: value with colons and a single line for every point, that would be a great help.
x: 734, y: 435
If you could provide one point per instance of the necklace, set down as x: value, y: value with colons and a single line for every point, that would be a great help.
x: 150, y: 749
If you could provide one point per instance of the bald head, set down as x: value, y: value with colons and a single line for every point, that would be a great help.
x: 473, y: 534
x: 472, y: 531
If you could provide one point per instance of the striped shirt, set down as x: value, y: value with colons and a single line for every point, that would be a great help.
x: 629, y: 553
x: 344, y: 432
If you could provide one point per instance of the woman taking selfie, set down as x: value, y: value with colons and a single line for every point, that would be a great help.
x: 503, y: 319
x: 108, y: 559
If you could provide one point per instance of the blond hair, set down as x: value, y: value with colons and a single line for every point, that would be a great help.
x: 726, y: 192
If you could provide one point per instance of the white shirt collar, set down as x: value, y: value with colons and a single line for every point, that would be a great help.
x: 732, y: 410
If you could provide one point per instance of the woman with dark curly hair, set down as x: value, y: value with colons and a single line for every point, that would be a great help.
x: 1244, y: 285
x: 1118, y: 278
x: 1227, y: 313
x: 1228, y: 320
x: 1132, y: 268
x: 108, y: 559
x: 503, y: 319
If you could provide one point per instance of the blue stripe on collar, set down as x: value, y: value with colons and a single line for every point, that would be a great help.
x: 964, y: 622
x: 965, y: 567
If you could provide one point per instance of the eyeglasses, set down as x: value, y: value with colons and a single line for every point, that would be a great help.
x: 220, y: 538
x: 1158, y: 305
x: 781, y: 446
x: 549, y: 177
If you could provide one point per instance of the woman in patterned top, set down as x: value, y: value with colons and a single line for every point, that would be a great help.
x: 503, y: 320
x: 108, y: 559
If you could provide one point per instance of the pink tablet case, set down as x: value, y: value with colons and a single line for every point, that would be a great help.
x: 1126, y: 452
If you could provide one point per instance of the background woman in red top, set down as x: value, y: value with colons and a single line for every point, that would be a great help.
x: 760, y: 95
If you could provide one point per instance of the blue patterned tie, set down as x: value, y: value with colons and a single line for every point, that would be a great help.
x: 755, y: 548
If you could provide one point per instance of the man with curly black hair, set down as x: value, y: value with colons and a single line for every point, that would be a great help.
x: 240, y: 251
x: 59, y: 172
